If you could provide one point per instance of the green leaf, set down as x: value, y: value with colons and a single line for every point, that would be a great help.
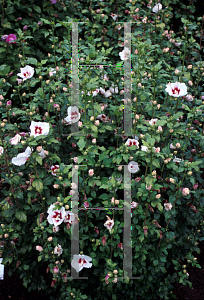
x: 38, y: 158
x: 38, y: 185
x: 32, y: 60
x: 156, y: 163
x: 21, y: 216
x: 81, y: 143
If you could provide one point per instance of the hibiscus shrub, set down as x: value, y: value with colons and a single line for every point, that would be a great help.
x: 47, y: 169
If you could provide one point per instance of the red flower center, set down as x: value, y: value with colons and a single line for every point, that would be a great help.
x: 74, y: 115
x: 175, y: 91
x: 54, y: 169
x: 83, y: 261
x: 57, y: 216
x: 38, y: 130
x: 26, y: 74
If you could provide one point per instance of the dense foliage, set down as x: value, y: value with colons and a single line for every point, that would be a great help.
x: 39, y: 152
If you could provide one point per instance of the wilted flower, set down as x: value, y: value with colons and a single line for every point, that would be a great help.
x: 81, y: 261
x: 104, y: 240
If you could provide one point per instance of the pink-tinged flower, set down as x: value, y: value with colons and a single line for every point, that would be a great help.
x: 106, y: 278
x: 55, y: 229
x: 69, y: 217
x: 53, y: 282
x: 149, y: 187
x: 124, y: 54
x: 134, y: 204
x: 190, y: 83
x: 39, y: 128
x: 152, y: 122
x: 4, y: 37
x: 15, y: 140
x: 8, y: 103
x: 156, y: 223
x: 189, y: 97
x: 145, y: 230
x: 54, y: 169
x: 22, y: 158
x: 157, y: 150
x: 132, y: 142
x: 168, y: 206
x: 55, y: 216
x: 26, y: 72
x: 55, y: 186
x: 120, y: 245
x: 115, y: 280
x: 11, y: 38
x: 81, y: 261
x: 158, y: 196
x: 1, y: 150
x: 39, y: 248
x: 157, y: 8
x: 73, y: 115
x: 19, y: 80
x: 195, y: 186
x: 55, y: 270
x: 50, y: 239
x: 107, y: 93
x: 138, y: 179
x: 185, y: 191
x: 86, y: 204
x: 25, y: 27
x: 104, y: 240
x: 176, y: 89
x: 94, y: 141
x: 109, y: 224
x: 53, y: 1
x: 64, y: 275
x: 58, y: 250
x: 96, y: 230
x: 91, y: 172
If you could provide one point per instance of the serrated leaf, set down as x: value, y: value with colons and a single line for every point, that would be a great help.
x: 21, y: 216
x: 38, y: 185
x: 39, y: 159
